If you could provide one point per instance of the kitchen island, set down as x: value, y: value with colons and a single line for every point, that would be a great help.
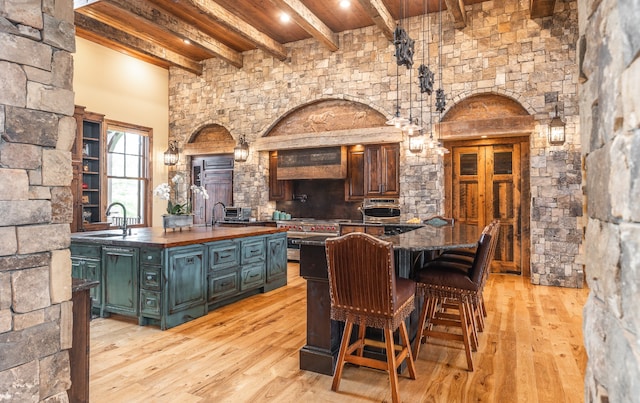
x: 168, y: 278
x: 320, y: 352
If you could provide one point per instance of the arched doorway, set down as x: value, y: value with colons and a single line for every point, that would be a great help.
x: 211, y: 160
x: 487, y: 172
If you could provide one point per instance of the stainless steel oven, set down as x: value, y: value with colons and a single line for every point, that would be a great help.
x: 380, y: 210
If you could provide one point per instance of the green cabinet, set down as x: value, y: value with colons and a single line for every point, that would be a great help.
x: 186, y: 280
x: 86, y: 264
x: 170, y: 286
x: 276, y: 261
x: 120, y: 266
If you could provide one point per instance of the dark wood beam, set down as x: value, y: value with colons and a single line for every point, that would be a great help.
x: 214, y: 11
x: 113, y: 38
x: 542, y: 8
x: 143, y: 11
x: 380, y: 15
x: 456, y: 9
x: 309, y: 22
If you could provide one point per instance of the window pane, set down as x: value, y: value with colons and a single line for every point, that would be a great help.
x: 115, y: 165
x: 132, y: 163
x: 132, y: 144
x: 128, y: 192
x: 115, y: 141
x: 502, y: 163
x: 468, y: 164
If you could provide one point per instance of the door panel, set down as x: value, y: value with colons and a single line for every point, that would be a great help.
x: 485, y: 183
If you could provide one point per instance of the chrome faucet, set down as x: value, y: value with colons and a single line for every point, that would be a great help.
x: 124, y: 219
x: 213, y: 212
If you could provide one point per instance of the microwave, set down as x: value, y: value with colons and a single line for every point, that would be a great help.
x: 237, y: 213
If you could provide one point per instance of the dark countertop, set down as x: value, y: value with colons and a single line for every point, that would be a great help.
x: 156, y: 236
x: 81, y: 284
x: 422, y: 238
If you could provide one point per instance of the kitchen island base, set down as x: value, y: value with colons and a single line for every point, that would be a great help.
x: 167, y: 279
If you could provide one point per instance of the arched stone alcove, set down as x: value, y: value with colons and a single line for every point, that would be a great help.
x: 489, y: 114
x: 210, y: 139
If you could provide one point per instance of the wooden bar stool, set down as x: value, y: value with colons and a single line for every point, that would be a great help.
x: 364, y: 291
x: 446, y: 282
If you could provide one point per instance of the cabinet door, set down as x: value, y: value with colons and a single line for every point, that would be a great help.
x: 381, y: 170
x: 120, y: 280
x: 354, y: 184
x: 390, y: 170
x: 88, y: 269
x: 186, y: 279
x: 278, y: 190
x: 276, y: 257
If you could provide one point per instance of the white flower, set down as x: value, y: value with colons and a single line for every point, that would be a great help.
x: 163, y: 191
x: 200, y: 190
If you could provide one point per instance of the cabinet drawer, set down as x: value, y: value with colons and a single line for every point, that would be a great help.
x: 253, y: 250
x: 223, y: 285
x: 150, y: 302
x: 223, y: 255
x: 151, y: 277
x: 151, y: 256
x: 252, y: 276
x: 85, y: 250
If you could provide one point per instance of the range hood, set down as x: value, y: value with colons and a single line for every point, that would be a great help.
x: 312, y: 163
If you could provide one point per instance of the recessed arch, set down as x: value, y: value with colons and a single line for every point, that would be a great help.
x: 210, y: 139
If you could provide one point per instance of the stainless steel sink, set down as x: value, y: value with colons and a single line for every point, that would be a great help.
x: 110, y: 235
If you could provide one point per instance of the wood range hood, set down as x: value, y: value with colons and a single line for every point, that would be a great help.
x: 321, y: 155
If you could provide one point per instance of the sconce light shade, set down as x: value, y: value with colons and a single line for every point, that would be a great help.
x: 171, y: 156
x: 241, y: 151
x: 556, y: 130
x: 416, y: 144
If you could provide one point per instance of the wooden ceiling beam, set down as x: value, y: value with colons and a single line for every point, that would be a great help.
x: 456, y: 9
x: 380, y: 16
x: 107, y: 35
x: 309, y: 22
x: 146, y: 12
x: 542, y: 8
x: 216, y: 12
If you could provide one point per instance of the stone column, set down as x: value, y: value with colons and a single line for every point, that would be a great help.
x: 37, y: 130
x: 609, y: 47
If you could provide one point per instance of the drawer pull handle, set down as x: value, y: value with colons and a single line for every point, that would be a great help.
x: 254, y: 275
x: 226, y: 283
x: 225, y: 256
x: 150, y: 277
x: 150, y: 302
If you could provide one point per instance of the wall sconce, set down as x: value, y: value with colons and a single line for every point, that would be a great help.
x: 556, y: 130
x: 241, y: 151
x: 171, y: 156
x: 416, y: 143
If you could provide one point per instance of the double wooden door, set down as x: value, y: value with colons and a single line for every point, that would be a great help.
x: 215, y: 173
x: 489, y: 180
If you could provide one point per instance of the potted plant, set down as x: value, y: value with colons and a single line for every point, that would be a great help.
x: 178, y: 201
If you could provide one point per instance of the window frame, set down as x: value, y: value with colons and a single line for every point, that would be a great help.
x: 147, y: 178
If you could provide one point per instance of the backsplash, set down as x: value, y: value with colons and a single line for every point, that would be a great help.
x: 324, y: 200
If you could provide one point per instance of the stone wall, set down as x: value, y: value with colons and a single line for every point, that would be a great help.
x: 37, y: 130
x: 501, y: 51
x: 610, y: 121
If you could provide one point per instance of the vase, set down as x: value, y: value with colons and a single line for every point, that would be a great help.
x: 177, y: 221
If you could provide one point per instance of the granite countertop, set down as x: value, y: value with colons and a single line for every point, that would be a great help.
x: 156, y: 236
x: 422, y: 238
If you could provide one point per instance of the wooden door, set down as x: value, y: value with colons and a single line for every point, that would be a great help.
x: 485, y: 183
x: 214, y: 174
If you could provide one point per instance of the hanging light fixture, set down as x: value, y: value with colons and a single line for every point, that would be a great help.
x: 241, y: 151
x: 556, y: 130
x: 404, y: 49
x: 441, y: 101
x: 171, y: 156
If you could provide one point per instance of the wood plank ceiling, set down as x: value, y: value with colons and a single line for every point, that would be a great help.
x: 183, y: 33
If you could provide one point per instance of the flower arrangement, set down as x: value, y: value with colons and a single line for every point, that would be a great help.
x: 176, y: 203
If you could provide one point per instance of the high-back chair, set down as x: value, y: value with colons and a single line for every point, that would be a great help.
x: 458, y: 283
x: 365, y: 291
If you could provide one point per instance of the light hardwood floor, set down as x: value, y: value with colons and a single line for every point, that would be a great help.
x: 530, y: 351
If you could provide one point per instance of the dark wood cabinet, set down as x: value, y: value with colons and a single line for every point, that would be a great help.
x: 88, y: 183
x: 279, y: 190
x: 215, y: 173
x: 373, y: 171
x: 382, y: 173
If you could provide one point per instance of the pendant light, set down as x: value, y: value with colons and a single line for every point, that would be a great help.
x: 404, y: 56
x: 556, y: 130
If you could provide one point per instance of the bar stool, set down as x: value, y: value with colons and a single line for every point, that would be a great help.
x: 457, y: 283
x: 364, y: 291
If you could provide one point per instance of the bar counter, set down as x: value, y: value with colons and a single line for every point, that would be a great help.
x: 323, y: 334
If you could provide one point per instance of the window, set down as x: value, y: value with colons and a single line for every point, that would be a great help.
x: 128, y: 172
